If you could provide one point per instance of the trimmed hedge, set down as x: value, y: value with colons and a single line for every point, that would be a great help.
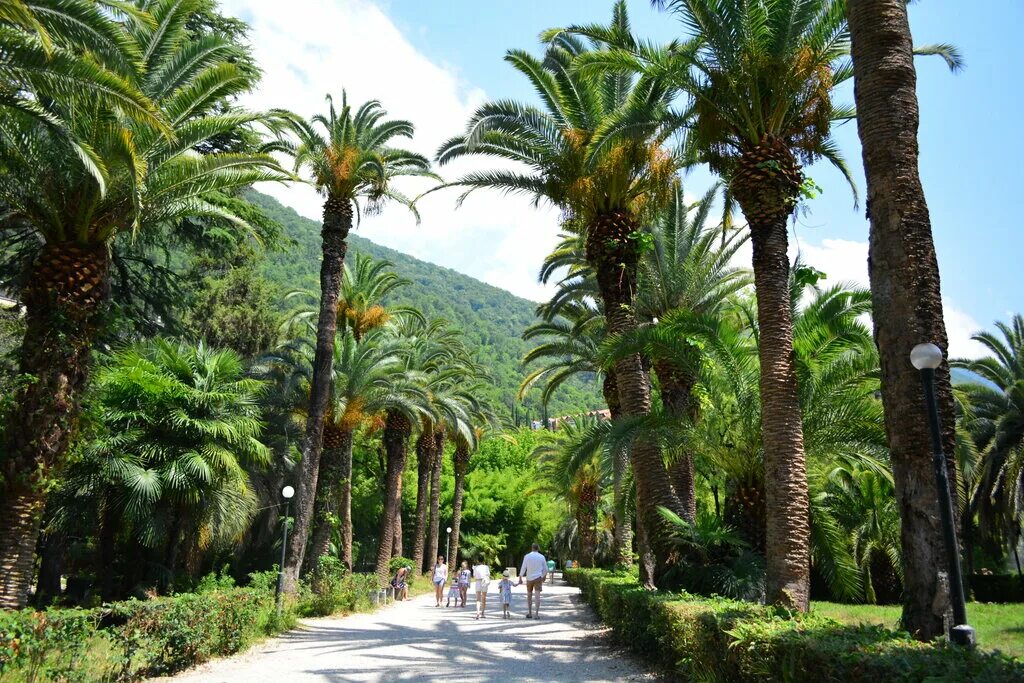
x: 715, y: 639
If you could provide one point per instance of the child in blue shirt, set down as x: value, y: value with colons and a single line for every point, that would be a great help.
x: 505, y: 590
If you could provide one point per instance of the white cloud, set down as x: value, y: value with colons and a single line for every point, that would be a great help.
x: 308, y: 48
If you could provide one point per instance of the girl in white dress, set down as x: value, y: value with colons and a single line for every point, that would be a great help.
x: 482, y: 574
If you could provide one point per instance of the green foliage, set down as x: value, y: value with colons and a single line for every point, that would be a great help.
x: 397, y: 563
x: 330, y: 589
x: 728, y: 640
x: 137, y: 639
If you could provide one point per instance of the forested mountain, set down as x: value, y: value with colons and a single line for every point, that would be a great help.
x: 491, y: 318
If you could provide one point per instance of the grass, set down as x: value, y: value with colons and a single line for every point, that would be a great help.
x: 999, y: 626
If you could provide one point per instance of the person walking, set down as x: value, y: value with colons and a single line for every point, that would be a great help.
x: 505, y: 591
x: 465, y: 578
x: 440, y: 578
x: 482, y: 574
x: 534, y: 569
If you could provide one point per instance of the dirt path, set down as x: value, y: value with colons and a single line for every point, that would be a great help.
x: 416, y: 641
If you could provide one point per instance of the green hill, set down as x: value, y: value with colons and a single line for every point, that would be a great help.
x: 491, y: 318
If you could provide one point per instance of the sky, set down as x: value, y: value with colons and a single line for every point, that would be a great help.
x: 434, y: 61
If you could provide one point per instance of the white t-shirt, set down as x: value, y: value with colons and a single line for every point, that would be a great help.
x: 535, y: 566
x: 482, y: 574
x: 440, y: 573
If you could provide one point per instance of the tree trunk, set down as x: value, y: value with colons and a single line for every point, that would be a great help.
x: 787, y: 508
x: 461, y: 461
x: 677, y: 398
x: 622, y: 532
x: 337, y: 443
x: 905, y: 293
x: 424, y: 464
x: 52, y: 548
x: 612, y: 253
x: 337, y: 223
x: 645, y: 557
x: 396, y: 546
x: 107, y: 546
x: 436, y: 467
x: 66, y: 290
x: 396, y: 438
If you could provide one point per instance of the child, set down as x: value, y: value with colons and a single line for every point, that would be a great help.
x: 505, y: 589
x: 464, y: 580
x: 453, y: 592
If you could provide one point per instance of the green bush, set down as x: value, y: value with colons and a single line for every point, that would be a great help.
x: 397, y: 563
x: 46, y: 645
x: 135, y: 639
x: 330, y: 588
x: 727, y: 640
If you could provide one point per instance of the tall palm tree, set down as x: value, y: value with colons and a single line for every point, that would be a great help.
x: 761, y: 76
x: 904, y: 275
x: 596, y: 150
x: 349, y: 158
x: 996, y: 424
x: 145, y: 175
x: 689, y: 267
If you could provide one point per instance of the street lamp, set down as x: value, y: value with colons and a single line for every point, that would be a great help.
x: 449, y: 546
x: 926, y: 358
x: 287, y: 492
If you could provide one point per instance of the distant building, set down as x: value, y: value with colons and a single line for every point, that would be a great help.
x: 554, y: 422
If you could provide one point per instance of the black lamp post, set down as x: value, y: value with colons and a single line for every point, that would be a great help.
x: 287, y: 492
x: 926, y: 358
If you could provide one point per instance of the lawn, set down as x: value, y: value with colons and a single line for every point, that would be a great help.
x: 999, y: 626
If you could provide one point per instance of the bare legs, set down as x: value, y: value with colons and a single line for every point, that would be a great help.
x: 481, y: 604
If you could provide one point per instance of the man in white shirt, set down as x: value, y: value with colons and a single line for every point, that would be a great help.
x: 535, y: 568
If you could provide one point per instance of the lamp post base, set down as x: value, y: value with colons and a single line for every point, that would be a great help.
x: 962, y: 635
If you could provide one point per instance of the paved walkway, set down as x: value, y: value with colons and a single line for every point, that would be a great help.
x: 415, y: 641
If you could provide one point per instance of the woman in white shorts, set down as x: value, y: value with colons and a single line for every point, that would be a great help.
x: 482, y: 574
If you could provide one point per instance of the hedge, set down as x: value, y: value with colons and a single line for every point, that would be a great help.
x: 130, y: 640
x: 716, y: 639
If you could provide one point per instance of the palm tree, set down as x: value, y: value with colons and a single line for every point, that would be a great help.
x: 574, y: 468
x: 181, y: 432
x: 996, y: 424
x: 904, y: 286
x: 761, y: 77
x: 144, y: 176
x: 364, y: 288
x: 349, y: 162
x: 596, y: 150
x: 368, y: 378
x: 687, y: 268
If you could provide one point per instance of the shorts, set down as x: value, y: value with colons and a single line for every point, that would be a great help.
x: 481, y: 586
x: 439, y: 582
x: 535, y: 585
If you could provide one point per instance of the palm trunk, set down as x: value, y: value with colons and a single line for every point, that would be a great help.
x: 622, y: 533
x: 52, y: 549
x: 461, y: 461
x: 676, y: 397
x: 396, y: 546
x: 337, y: 441
x: 107, y: 542
x: 67, y: 288
x: 787, y: 508
x: 436, y: 466
x: 905, y: 292
x: 612, y: 253
x: 396, y: 437
x: 337, y: 223
x: 345, y: 502
x: 424, y: 463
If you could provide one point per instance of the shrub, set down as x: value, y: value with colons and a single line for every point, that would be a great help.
x: 728, y: 640
x: 397, y: 563
x: 46, y: 645
x: 330, y: 588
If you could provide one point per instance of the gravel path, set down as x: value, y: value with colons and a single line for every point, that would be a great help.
x: 415, y: 641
